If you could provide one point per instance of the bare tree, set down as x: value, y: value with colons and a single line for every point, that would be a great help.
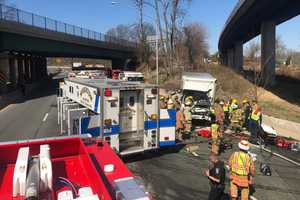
x: 149, y: 30
x: 253, y: 50
x: 130, y: 32
x: 169, y: 14
x: 195, y: 43
x: 121, y: 32
x: 139, y: 4
x: 281, y: 51
x: 143, y: 46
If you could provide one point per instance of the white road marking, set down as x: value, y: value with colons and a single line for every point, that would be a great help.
x: 195, y: 154
x: 45, y: 117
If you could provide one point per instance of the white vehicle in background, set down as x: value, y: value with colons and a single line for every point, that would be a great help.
x: 131, y: 76
x: 77, y: 64
x: 97, y: 74
x: 82, y: 74
x: 71, y: 75
x: 88, y: 74
x: 202, y: 87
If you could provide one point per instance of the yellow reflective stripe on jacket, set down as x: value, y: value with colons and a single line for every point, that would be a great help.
x: 240, y: 164
x: 226, y: 108
x: 214, y: 131
x: 230, y: 108
x: 255, y: 115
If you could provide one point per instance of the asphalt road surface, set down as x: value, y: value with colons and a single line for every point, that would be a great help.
x: 177, y: 175
x: 170, y: 174
x: 33, y: 116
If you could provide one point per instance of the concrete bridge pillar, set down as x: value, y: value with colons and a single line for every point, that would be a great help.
x: 21, y: 75
x: 268, y: 58
x: 223, y: 58
x: 44, y: 66
x: 12, y: 70
x: 230, y: 55
x: 4, y: 72
x: 27, y: 68
x: 38, y: 68
x: 41, y: 67
x: 33, y: 68
x: 238, y: 56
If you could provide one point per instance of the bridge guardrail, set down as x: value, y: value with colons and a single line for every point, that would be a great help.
x: 9, y: 13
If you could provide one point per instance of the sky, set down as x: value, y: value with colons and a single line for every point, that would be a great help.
x: 101, y: 15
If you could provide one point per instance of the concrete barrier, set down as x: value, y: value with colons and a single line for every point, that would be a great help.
x: 283, y: 127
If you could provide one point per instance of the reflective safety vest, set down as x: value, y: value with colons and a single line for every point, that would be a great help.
x: 240, y: 163
x: 214, y: 131
x: 230, y: 108
x: 226, y: 108
x: 212, y: 111
x: 255, y: 115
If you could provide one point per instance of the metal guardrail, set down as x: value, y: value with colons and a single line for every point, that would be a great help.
x: 8, y: 13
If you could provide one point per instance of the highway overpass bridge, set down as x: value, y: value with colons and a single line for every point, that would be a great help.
x: 26, y: 40
x: 249, y: 19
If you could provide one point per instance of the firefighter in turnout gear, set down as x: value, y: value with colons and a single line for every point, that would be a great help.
x: 179, y: 123
x: 177, y: 103
x: 226, y: 114
x: 170, y: 104
x: 188, y: 116
x: 173, y: 95
x: 162, y: 102
x: 236, y: 118
x: 218, y: 111
x: 215, y: 135
x: 246, y: 111
x: 241, y: 168
x: 255, y: 121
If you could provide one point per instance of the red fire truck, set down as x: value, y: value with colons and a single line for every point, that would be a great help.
x: 65, y: 168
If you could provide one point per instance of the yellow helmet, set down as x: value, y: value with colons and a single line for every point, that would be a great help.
x: 245, y: 101
x: 189, y: 98
x: 170, y: 102
x: 234, y: 101
x: 162, y: 97
x: 188, y: 102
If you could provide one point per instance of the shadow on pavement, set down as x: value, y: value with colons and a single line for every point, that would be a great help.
x: 45, y: 87
x: 153, y: 154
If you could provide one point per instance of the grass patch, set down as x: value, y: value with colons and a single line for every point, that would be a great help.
x: 279, y: 111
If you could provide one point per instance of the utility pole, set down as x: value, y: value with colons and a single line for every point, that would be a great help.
x: 156, y: 46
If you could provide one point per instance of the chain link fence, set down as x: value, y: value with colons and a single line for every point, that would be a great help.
x: 8, y: 13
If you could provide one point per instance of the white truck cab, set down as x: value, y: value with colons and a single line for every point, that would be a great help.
x: 202, y: 87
